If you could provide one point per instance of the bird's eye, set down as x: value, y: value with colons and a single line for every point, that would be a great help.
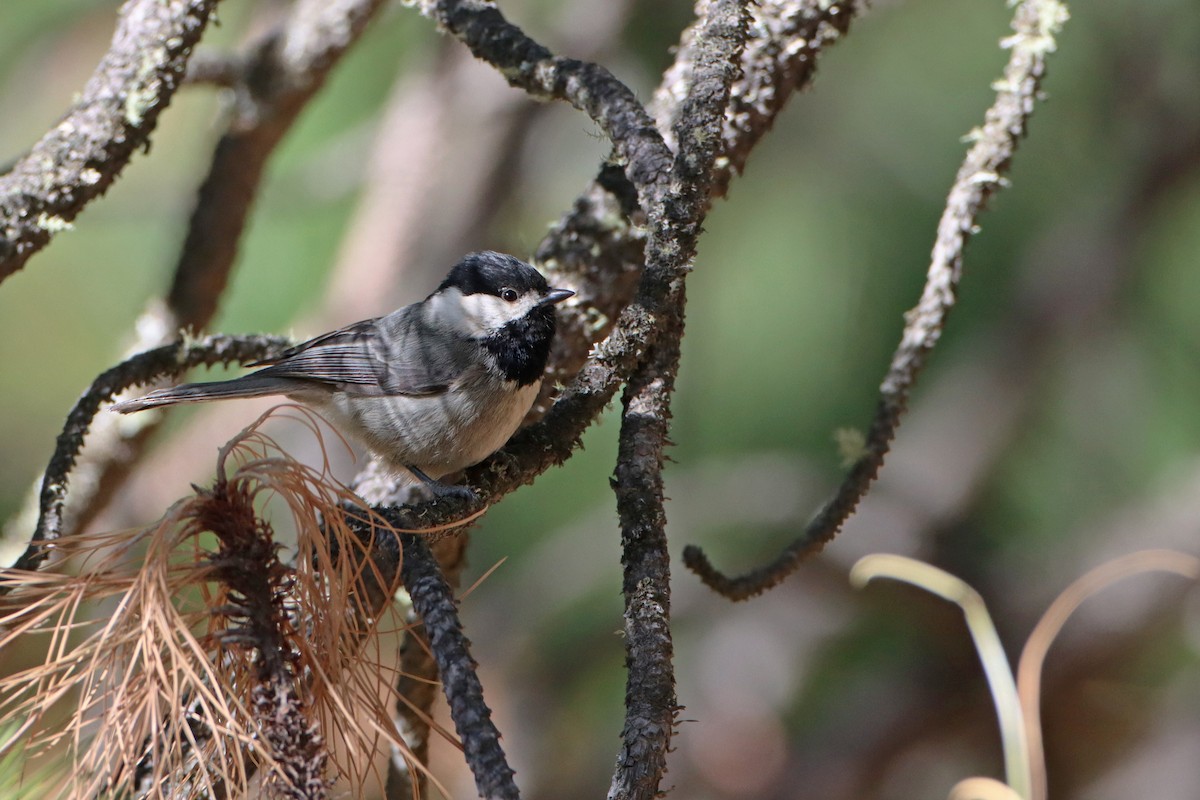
x: 508, y: 294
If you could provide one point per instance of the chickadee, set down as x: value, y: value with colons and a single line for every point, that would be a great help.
x: 433, y: 387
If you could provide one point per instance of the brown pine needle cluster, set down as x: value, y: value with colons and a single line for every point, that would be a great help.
x: 197, y: 657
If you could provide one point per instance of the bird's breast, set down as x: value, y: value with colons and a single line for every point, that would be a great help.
x: 442, y: 433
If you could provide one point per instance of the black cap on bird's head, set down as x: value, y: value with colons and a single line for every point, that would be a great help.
x: 488, y: 272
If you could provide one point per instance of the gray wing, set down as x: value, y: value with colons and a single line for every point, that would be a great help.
x: 382, y: 356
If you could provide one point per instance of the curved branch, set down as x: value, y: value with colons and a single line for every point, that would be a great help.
x: 80, y: 157
x: 275, y: 83
x: 530, y: 66
x: 171, y: 360
x: 591, y: 88
x: 599, y: 251
x: 674, y: 215
x: 433, y: 600
x: 1035, y: 23
x: 779, y: 60
x: 597, y: 248
x: 417, y: 686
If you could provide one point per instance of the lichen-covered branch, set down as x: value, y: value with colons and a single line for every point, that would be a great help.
x: 598, y: 250
x: 598, y: 247
x: 673, y: 218
x: 168, y: 361
x: 1035, y: 24
x: 79, y: 158
x: 591, y: 88
x: 661, y: 199
x: 434, y: 601
x: 650, y: 703
x: 273, y: 84
x: 647, y: 168
x: 780, y: 58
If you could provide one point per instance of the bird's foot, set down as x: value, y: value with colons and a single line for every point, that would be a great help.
x: 442, y: 491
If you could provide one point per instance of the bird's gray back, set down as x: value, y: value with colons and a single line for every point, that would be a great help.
x: 399, y: 354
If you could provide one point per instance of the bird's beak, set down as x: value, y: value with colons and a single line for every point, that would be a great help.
x: 555, y: 296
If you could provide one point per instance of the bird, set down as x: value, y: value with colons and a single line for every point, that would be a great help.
x: 431, y: 388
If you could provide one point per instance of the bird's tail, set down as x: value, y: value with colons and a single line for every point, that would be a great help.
x: 246, y: 386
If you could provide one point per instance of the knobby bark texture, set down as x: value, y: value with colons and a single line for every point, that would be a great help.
x: 605, y: 248
x: 661, y: 198
x: 167, y: 361
x: 650, y: 704
x: 434, y: 601
x: 1035, y: 25
x: 272, y: 85
x: 77, y: 160
x: 417, y: 686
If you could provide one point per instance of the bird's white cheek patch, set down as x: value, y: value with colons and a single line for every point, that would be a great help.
x: 487, y: 312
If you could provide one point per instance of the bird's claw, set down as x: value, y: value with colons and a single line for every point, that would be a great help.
x: 443, y: 491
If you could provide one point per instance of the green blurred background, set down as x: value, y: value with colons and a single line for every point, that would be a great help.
x: 1055, y: 428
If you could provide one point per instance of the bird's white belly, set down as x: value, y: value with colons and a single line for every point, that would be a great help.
x: 439, y: 434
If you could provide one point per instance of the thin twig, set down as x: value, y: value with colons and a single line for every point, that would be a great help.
x: 77, y: 160
x: 1035, y: 23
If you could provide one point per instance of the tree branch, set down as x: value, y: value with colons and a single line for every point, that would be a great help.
x: 274, y: 84
x: 433, y: 600
x: 674, y: 194
x: 417, y: 685
x: 1036, y: 22
x: 598, y: 247
x: 675, y: 213
x: 780, y: 58
x: 599, y: 251
x: 278, y: 81
x: 171, y: 360
x: 650, y: 702
x: 591, y: 88
x: 79, y: 158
